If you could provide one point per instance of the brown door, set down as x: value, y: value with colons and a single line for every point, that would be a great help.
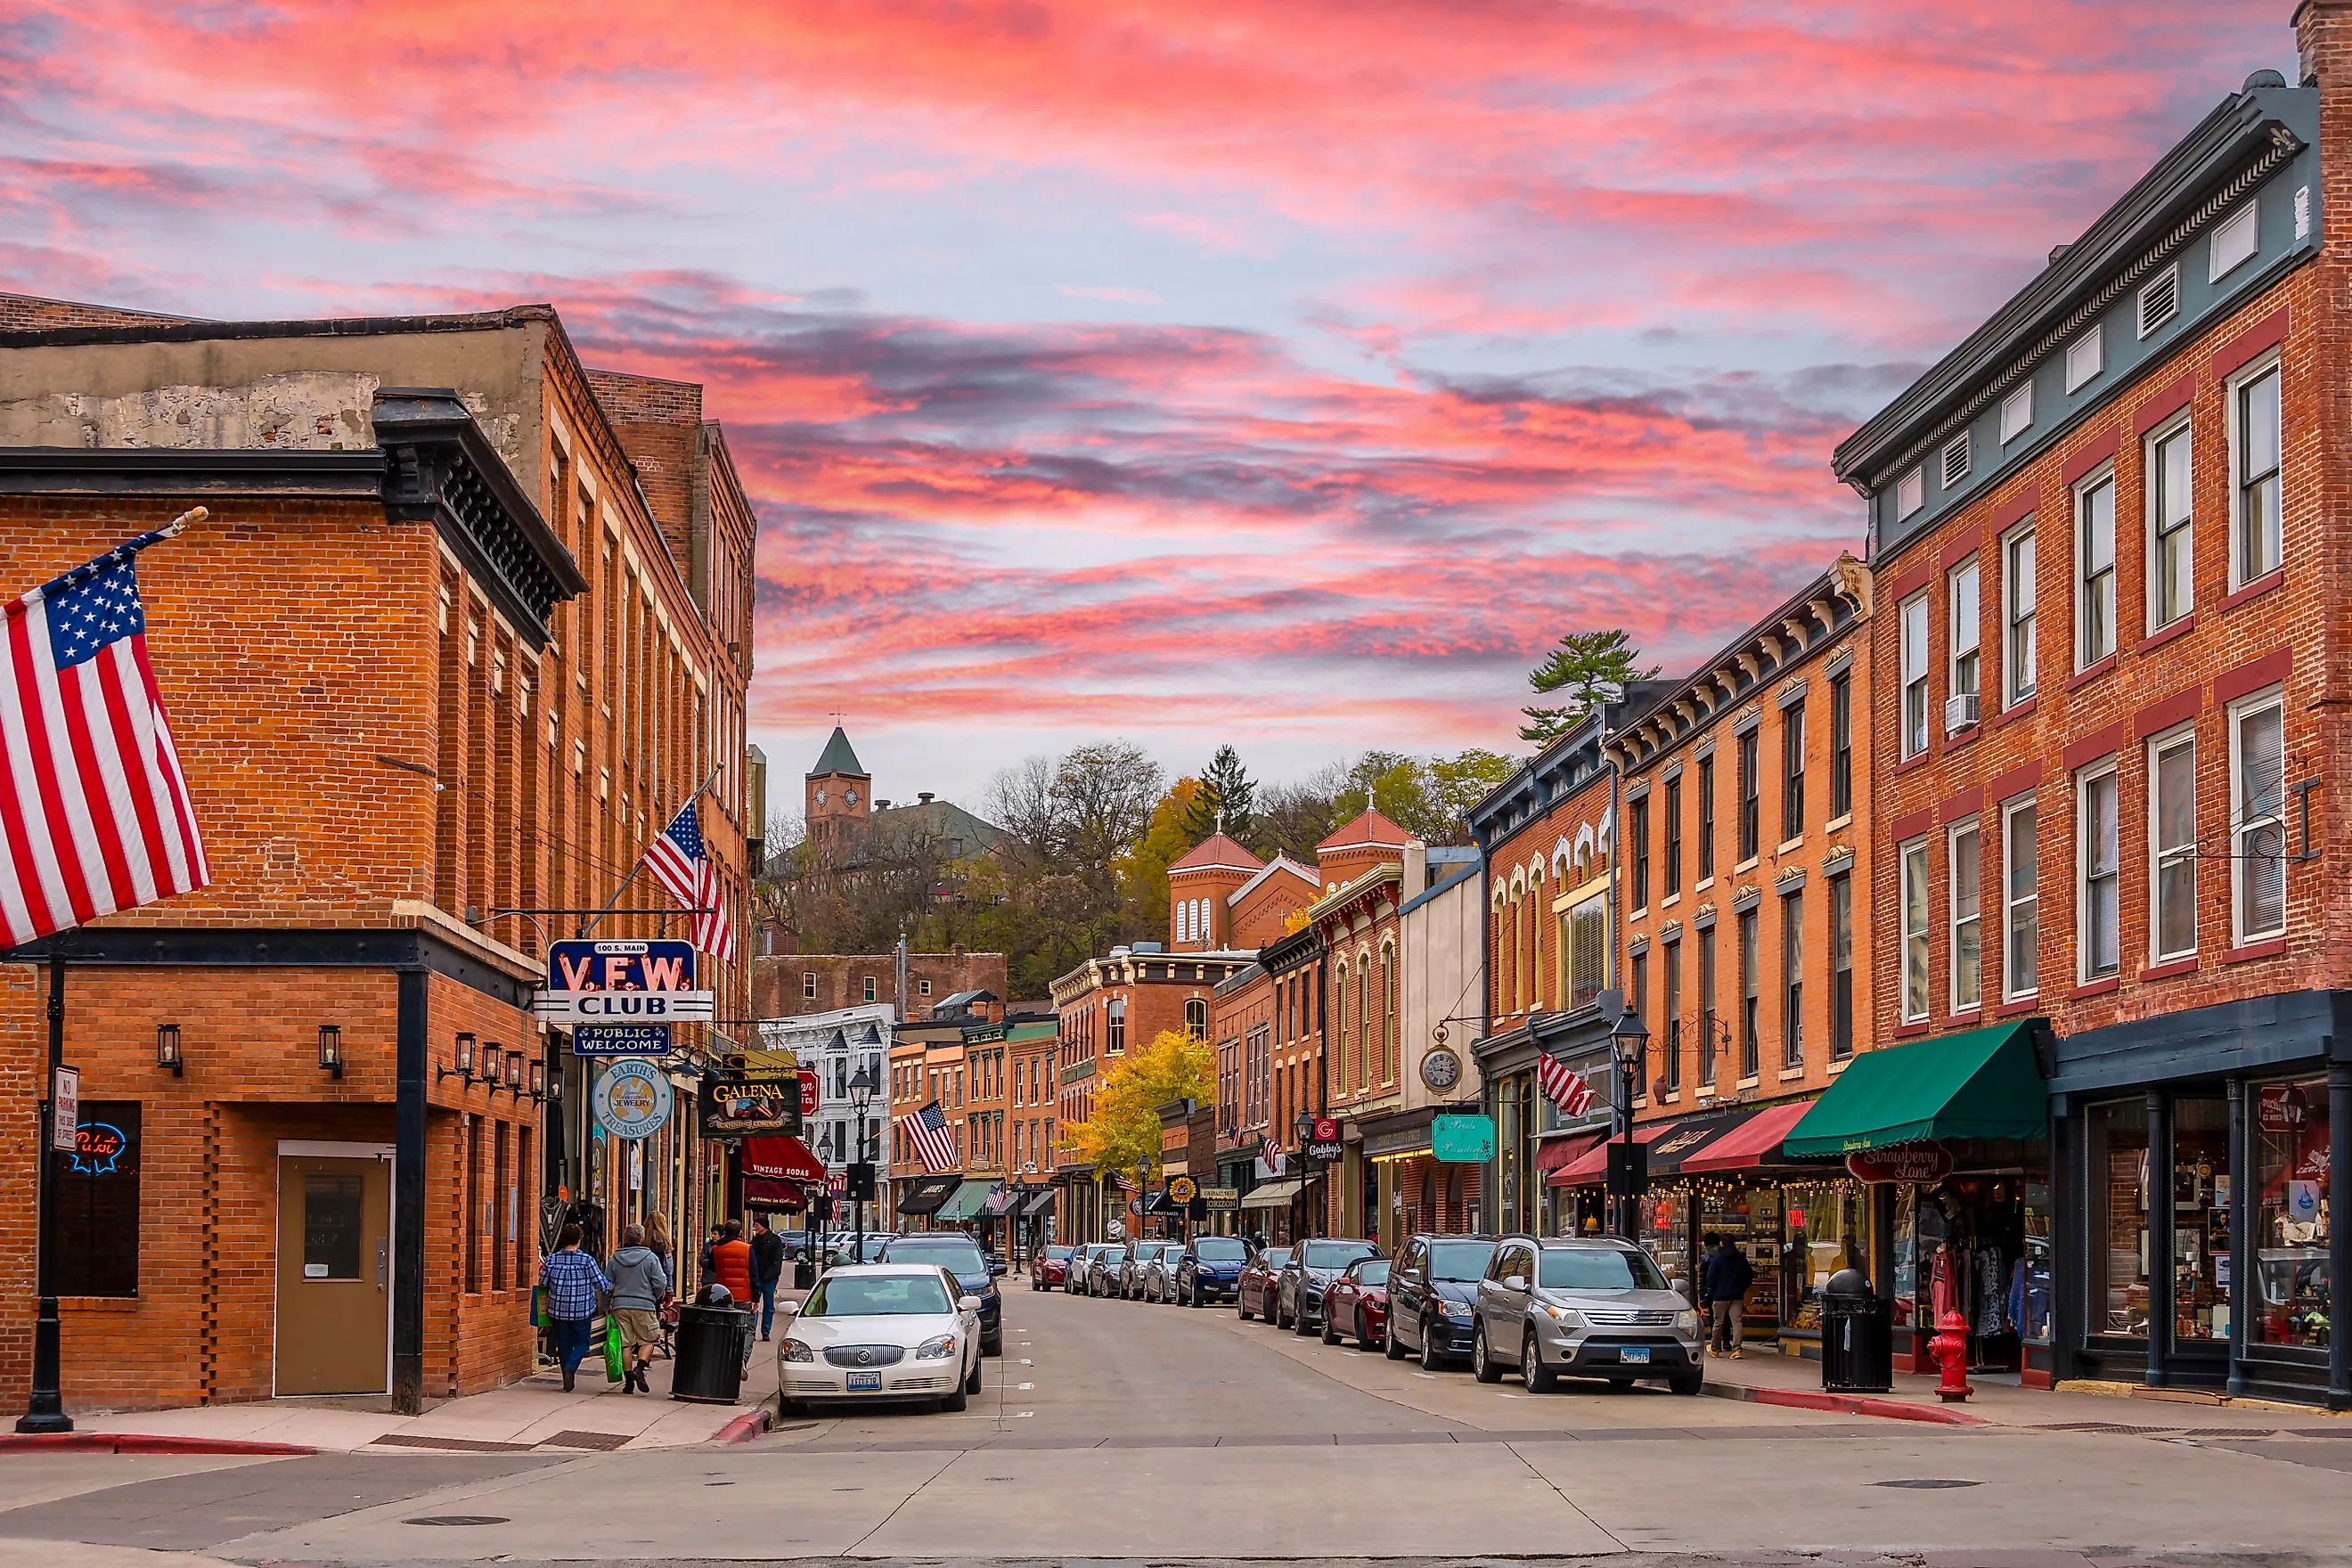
x: 335, y: 1275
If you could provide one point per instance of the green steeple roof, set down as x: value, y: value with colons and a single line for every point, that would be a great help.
x: 838, y: 758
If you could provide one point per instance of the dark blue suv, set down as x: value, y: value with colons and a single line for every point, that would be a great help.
x: 1211, y: 1270
x: 977, y: 1272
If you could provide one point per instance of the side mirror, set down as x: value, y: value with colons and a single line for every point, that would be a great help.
x: 788, y: 1308
x: 967, y: 1303
x: 1515, y: 1284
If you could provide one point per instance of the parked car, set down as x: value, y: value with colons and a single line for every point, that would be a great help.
x: 1312, y: 1265
x: 1159, y: 1272
x: 880, y: 1331
x: 1104, y: 1267
x: 1081, y: 1256
x: 1132, y: 1263
x: 1432, y: 1290
x: 1579, y: 1308
x: 1357, y: 1304
x: 974, y: 1270
x: 1209, y: 1270
x: 1253, y: 1287
x: 1049, y: 1268
x: 846, y: 1248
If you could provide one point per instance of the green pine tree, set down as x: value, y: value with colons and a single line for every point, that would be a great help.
x: 1226, y: 787
x: 1585, y: 667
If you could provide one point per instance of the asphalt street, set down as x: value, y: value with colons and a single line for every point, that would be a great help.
x: 1117, y: 1431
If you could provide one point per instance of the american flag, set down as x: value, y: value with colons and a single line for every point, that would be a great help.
x: 680, y: 863
x: 1563, y: 1088
x: 94, y: 812
x: 1126, y: 1184
x: 927, y: 1130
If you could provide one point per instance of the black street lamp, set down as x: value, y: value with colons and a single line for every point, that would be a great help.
x: 1631, y: 1041
x: 861, y: 1093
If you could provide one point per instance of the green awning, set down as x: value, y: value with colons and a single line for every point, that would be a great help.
x: 1982, y: 1084
x: 967, y: 1201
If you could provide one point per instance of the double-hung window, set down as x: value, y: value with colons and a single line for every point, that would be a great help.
x: 1707, y: 1024
x: 1968, y: 936
x: 2094, y: 570
x: 2171, y: 561
x: 1792, y: 980
x: 1673, y: 853
x: 2172, y: 845
x: 2255, y: 499
x: 1749, y: 786
x: 1638, y: 827
x: 2017, y: 653
x: 2258, y: 808
x: 2098, y: 941
x: 1674, y: 1041
x: 1706, y: 818
x: 1747, y: 982
x: 1841, y: 744
x: 1961, y: 690
x: 1841, y: 967
x: 1792, y: 771
x: 1913, y: 620
x: 1914, y: 931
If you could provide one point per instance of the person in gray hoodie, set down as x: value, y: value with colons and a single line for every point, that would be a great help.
x: 639, y: 1285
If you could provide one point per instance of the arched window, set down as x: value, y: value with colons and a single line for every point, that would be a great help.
x: 1114, y: 1035
x: 1339, y: 1020
x: 1364, y: 1019
x: 1389, y: 1015
x: 1196, y: 1018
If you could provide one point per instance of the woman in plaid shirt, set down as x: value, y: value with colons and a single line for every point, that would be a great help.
x: 576, y: 1287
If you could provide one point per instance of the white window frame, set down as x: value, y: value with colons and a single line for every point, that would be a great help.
x: 1910, y: 493
x: 2086, y: 832
x: 1968, y: 921
x: 2018, y: 677
x: 2267, y: 364
x: 2012, y: 901
x: 1911, y: 860
x: 1904, y: 622
x: 1964, y: 631
x: 2154, y: 491
x: 2087, y: 357
x: 2017, y: 413
x: 1952, y: 462
x: 2242, y: 829
x: 2159, y: 748
x: 2148, y: 292
x: 2086, y: 585
x: 2245, y: 225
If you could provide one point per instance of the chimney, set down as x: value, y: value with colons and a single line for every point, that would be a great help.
x: 924, y: 795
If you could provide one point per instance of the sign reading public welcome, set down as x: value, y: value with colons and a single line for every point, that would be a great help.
x: 621, y: 982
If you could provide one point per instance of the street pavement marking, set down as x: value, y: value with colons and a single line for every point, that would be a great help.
x: 1023, y: 1387
x: 1026, y: 1362
x: 1023, y: 1415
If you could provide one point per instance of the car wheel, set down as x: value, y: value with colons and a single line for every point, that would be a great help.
x: 1240, y: 1307
x: 789, y: 1409
x: 1482, y: 1365
x: 989, y: 1347
x: 1430, y: 1360
x: 972, y: 1384
x: 957, y: 1402
x: 1538, y: 1377
x: 1300, y: 1324
x: 1389, y: 1345
x: 1330, y: 1328
x: 1688, y: 1383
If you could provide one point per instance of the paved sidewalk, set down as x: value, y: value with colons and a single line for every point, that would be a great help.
x: 1768, y: 1377
x: 532, y: 1414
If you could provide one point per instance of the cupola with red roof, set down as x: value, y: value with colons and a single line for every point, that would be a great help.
x: 1359, y: 846
x: 1199, y: 883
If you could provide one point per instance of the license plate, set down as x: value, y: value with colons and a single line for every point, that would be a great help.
x: 871, y: 1381
x: 1629, y: 1355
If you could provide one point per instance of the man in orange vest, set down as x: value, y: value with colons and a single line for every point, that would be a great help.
x: 730, y: 1266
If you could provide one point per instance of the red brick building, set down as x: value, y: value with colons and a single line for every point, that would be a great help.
x: 2110, y: 647
x: 1222, y: 899
x: 431, y: 661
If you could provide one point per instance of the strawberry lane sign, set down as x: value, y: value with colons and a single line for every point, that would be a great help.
x: 1909, y: 1162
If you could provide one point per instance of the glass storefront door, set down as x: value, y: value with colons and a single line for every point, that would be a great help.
x: 2289, y: 1143
x: 2118, y: 1155
x: 2200, y: 1221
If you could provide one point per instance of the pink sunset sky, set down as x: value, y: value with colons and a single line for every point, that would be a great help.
x: 1286, y: 374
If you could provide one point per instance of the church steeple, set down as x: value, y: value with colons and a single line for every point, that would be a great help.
x: 838, y: 789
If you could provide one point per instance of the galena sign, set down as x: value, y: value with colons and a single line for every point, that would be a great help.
x: 621, y: 982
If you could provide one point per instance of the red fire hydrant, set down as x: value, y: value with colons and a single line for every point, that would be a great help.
x: 1951, y: 1347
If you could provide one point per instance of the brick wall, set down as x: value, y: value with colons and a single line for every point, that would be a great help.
x: 781, y: 984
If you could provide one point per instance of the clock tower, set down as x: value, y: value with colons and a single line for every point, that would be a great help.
x: 838, y: 790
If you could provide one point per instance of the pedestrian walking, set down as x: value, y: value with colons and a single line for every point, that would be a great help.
x: 767, y: 1269
x: 1723, y: 1283
x: 718, y: 1233
x: 730, y: 1262
x: 657, y: 1238
x: 574, y: 1287
x: 639, y: 1286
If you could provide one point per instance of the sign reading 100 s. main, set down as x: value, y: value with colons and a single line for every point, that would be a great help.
x: 645, y: 985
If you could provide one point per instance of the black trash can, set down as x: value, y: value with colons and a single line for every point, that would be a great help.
x: 707, y: 1368
x: 804, y: 1273
x: 1857, y: 1337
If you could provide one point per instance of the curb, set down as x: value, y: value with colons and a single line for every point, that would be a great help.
x: 1846, y: 1403
x: 134, y: 1443
x: 744, y: 1428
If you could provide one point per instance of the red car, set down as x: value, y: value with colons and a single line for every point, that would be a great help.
x: 1049, y: 1268
x: 1357, y: 1303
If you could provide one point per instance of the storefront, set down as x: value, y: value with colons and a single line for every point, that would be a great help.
x: 1269, y: 1210
x: 1522, y: 1200
x: 921, y: 1197
x: 2196, y: 1199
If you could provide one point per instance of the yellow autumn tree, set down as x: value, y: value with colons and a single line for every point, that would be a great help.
x: 1125, y: 1130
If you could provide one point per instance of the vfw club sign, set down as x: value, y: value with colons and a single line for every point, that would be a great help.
x: 621, y: 982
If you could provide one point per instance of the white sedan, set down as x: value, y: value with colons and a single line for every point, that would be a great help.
x: 881, y: 1332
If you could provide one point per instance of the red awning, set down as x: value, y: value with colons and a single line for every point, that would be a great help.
x: 1592, y: 1166
x: 780, y: 1159
x: 1756, y: 1142
x: 1554, y: 1152
x: 759, y: 1191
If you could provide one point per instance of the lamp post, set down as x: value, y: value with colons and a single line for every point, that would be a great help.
x: 861, y: 1093
x: 1305, y: 1128
x: 1630, y: 1040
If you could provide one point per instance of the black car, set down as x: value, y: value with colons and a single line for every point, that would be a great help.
x: 1314, y: 1263
x: 1211, y: 1270
x: 1434, y: 1295
x: 974, y: 1270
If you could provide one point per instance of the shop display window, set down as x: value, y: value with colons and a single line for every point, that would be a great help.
x: 2290, y: 1138
x: 1750, y: 1216
x: 2117, y: 1154
x: 1665, y: 1236
x: 2030, y: 1296
x: 2201, y: 1220
x: 1828, y: 1229
x: 1904, y: 1270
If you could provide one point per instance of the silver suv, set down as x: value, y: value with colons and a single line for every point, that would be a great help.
x: 1581, y: 1309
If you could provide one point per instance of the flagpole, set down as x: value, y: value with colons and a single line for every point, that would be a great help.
x: 587, y: 930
